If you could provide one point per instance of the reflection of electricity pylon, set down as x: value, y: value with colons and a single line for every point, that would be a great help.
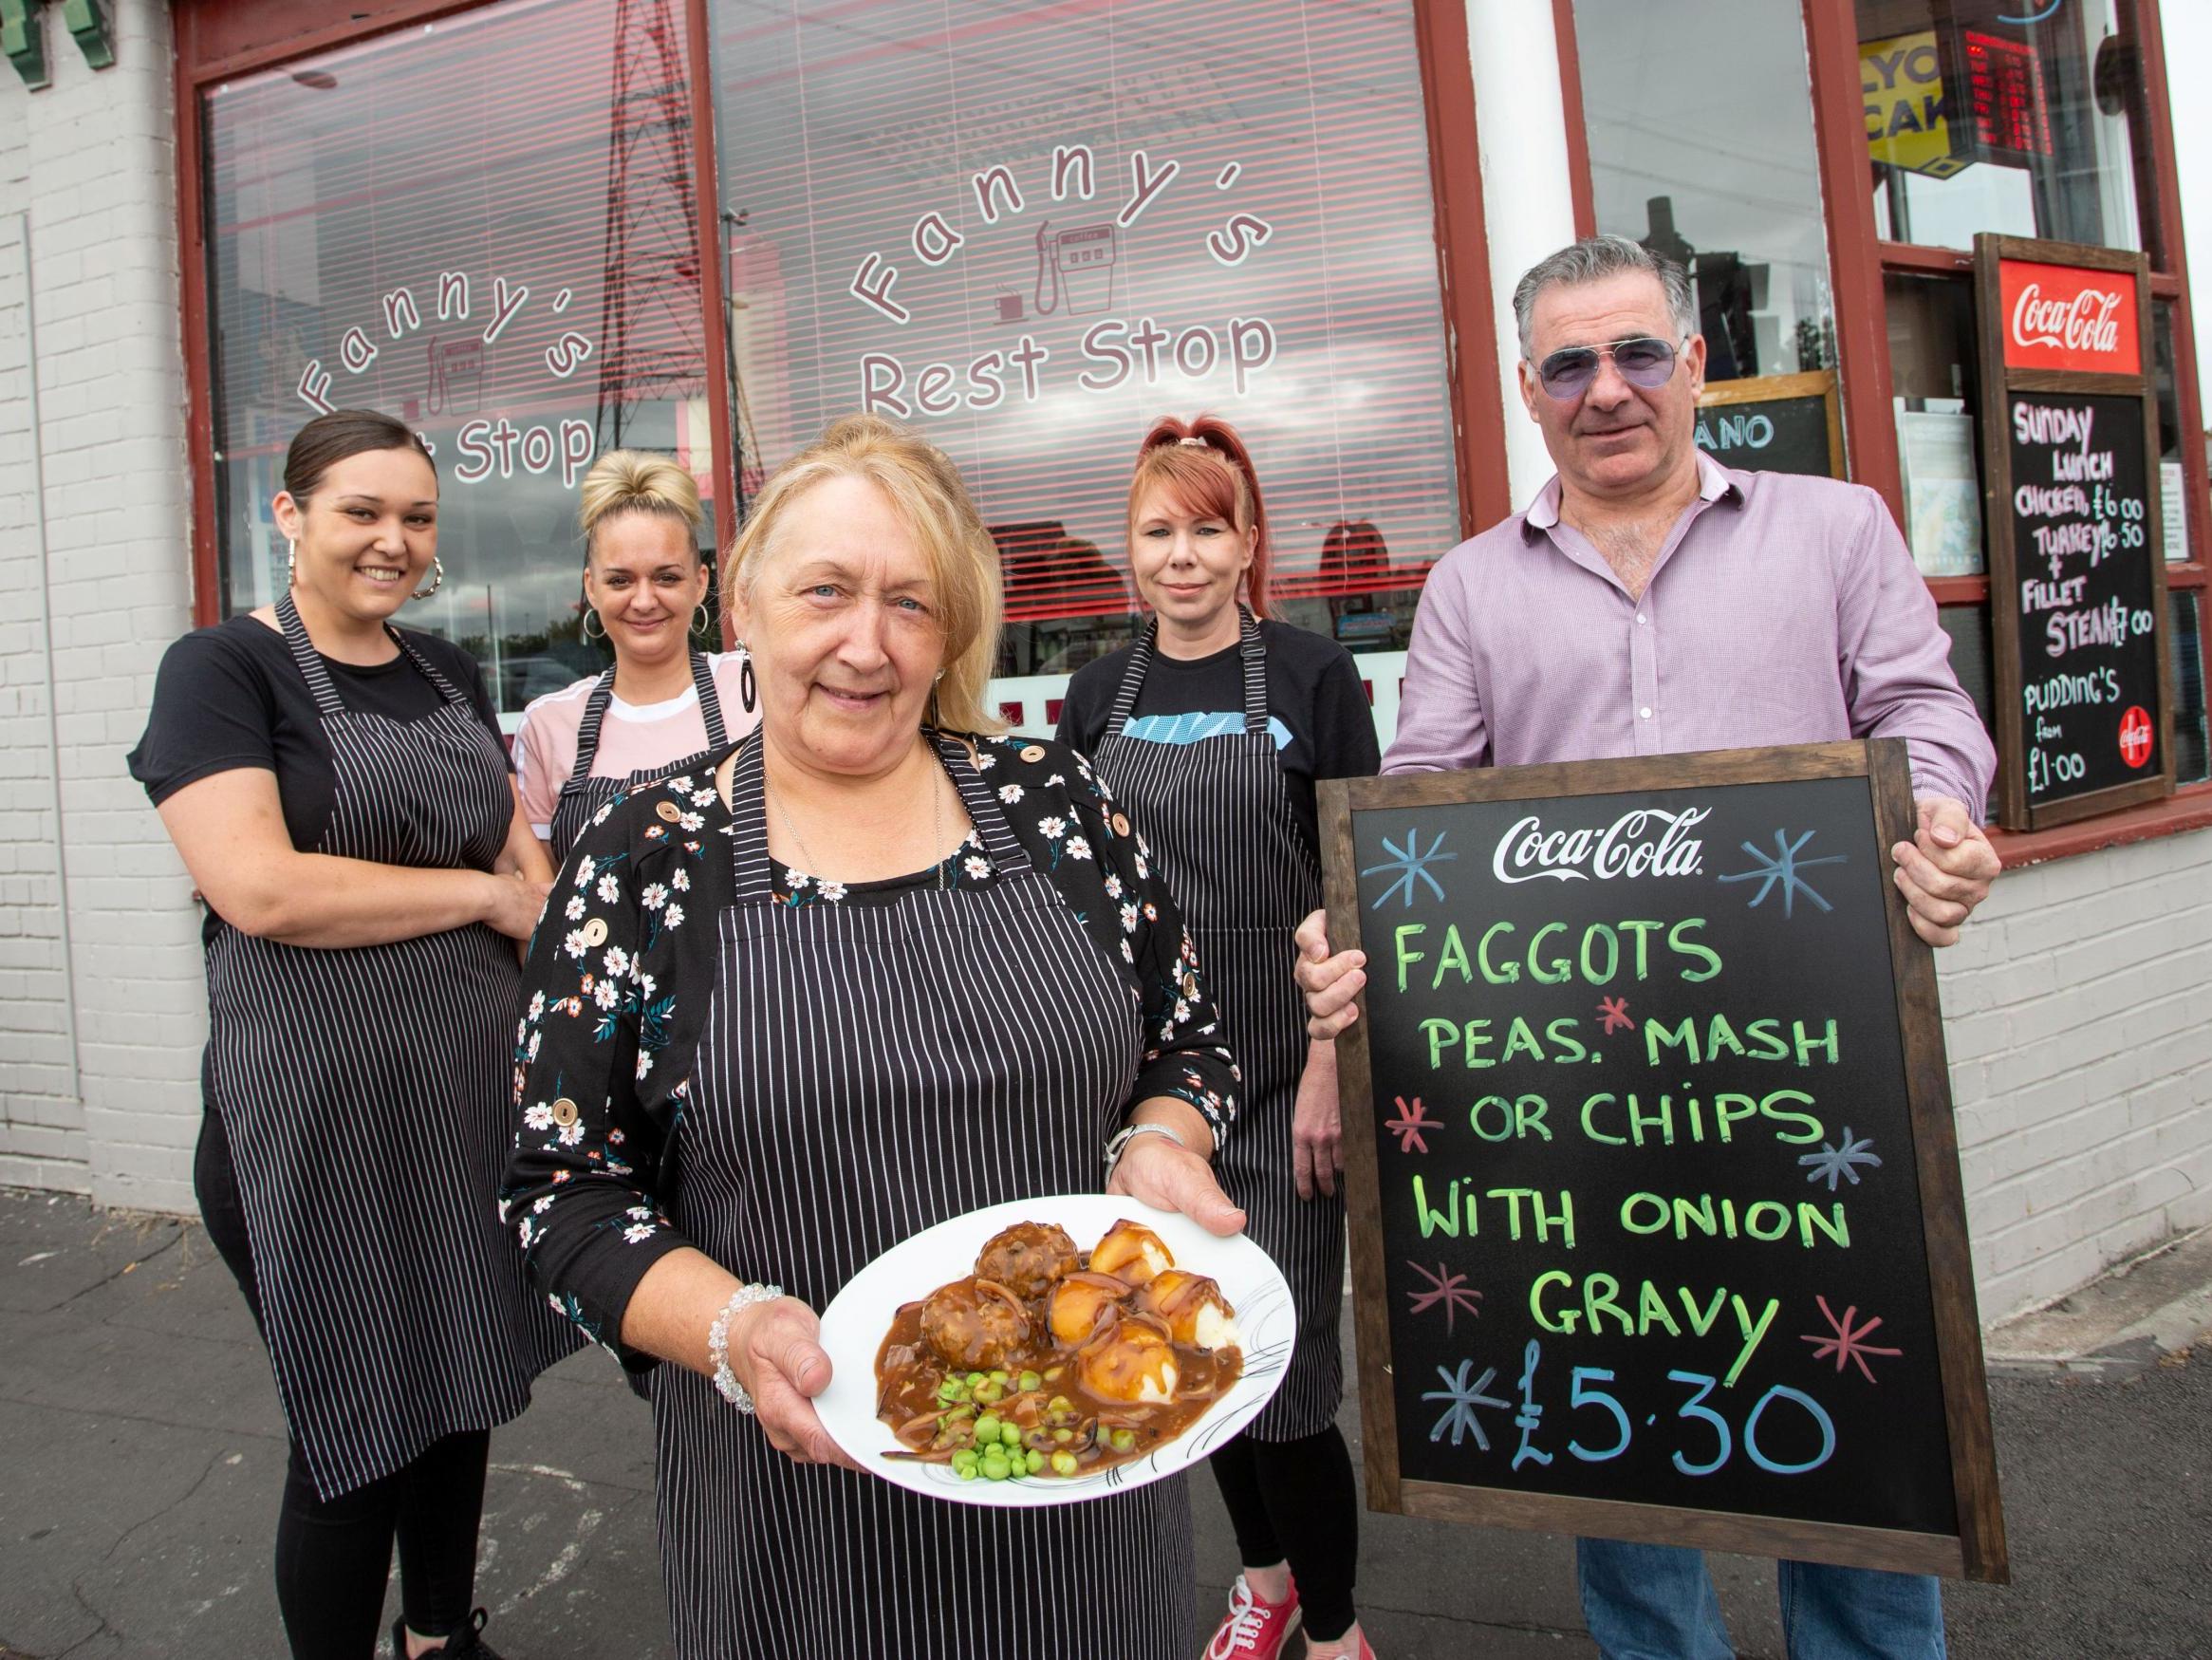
x: 651, y: 338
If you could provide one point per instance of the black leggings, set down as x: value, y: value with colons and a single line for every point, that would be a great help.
x: 1294, y: 1502
x: 334, y: 1555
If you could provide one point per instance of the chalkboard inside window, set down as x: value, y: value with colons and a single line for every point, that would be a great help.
x: 1648, y: 1107
x: 1775, y: 423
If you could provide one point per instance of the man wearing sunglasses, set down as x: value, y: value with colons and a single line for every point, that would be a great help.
x: 1653, y: 602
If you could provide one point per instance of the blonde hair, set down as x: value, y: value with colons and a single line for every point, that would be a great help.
x: 927, y: 494
x: 627, y: 481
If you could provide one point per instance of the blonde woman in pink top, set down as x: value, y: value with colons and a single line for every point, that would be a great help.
x: 664, y: 705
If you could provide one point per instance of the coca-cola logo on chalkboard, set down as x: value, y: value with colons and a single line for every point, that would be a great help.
x: 2063, y: 317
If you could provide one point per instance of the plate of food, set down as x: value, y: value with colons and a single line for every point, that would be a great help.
x: 1053, y: 1349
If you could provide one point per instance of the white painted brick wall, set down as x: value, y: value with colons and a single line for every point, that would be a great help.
x: 90, y: 164
x: 2078, y: 1013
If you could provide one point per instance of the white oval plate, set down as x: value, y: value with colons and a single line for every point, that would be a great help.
x: 853, y: 1327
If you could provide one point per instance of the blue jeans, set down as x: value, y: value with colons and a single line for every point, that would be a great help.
x: 1657, y: 1602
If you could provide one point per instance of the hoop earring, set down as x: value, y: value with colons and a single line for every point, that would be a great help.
x: 747, y: 693
x: 702, y: 625
x: 291, y: 564
x: 591, y: 616
x: 437, y: 579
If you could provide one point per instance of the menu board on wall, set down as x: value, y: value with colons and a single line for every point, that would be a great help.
x: 1648, y: 1110
x: 2078, y: 601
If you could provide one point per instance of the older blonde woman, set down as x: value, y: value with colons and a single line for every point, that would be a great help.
x: 660, y: 705
x: 873, y: 968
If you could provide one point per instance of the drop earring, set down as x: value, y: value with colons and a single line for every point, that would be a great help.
x: 747, y: 693
x: 291, y: 564
x: 437, y: 579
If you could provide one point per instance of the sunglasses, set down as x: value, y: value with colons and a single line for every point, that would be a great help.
x: 1645, y: 362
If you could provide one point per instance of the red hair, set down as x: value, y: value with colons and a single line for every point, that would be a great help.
x: 1203, y: 466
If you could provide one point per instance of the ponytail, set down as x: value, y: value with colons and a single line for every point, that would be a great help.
x: 1204, y: 465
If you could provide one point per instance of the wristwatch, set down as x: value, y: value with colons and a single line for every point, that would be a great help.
x: 1120, y: 1144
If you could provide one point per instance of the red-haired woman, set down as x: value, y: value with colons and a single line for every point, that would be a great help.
x: 1212, y: 729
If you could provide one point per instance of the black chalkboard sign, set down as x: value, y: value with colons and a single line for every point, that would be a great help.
x: 2089, y: 591
x: 1647, y: 1108
x: 2077, y: 582
x: 1775, y: 423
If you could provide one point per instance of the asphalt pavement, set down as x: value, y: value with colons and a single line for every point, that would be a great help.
x: 144, y: 1453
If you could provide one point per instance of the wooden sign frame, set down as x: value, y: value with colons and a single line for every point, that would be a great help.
x: 1998, y: 383
x: 1774, y: 389
x: 1978, y: 1549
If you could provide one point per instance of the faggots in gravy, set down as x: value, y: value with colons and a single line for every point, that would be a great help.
x: 1047, y: 1363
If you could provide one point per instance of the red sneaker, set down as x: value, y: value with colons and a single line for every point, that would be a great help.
x: 1254, y: 1628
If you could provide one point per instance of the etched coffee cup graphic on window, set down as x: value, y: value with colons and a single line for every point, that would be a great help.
x: 457, y: 376
x: 1075, y: 271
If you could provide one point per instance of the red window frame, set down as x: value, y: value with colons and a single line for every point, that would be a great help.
x: 1859, y: 260
x: 218, y: 39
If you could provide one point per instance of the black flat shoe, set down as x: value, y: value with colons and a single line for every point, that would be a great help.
x: 467, y: 1643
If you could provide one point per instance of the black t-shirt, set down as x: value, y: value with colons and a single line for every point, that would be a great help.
x: 1317, y: 708
x: 230, y: 696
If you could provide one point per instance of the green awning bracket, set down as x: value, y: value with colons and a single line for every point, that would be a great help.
x: 87, y: 21
x: 23, y: 39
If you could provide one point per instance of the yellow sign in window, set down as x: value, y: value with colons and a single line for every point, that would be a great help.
x: 1901, y: 83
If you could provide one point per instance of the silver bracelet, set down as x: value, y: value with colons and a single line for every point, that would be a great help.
x: 718, y: 1342
x: 1120, y: 1144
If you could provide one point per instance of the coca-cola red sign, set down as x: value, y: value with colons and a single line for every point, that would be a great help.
x: 2066, y: 317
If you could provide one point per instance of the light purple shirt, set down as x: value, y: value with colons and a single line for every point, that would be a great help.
x: 1781, y: 609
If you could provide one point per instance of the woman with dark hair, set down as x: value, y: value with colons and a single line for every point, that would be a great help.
x: 338, y: 793
x: 1210, y: 732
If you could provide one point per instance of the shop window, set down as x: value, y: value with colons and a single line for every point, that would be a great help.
x: 2192, y: 752
x: 484, y: 226
x: 1715, y: 168
x: 1032, y: 231
x: 1935, y: 397
x: 1995, y: 115
x: 2165, y: 388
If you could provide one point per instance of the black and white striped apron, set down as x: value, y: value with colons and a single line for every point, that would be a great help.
x: 365, y: 1095
x: 581, y: 794
x: 1219, y: 818
x: 867, y: 1071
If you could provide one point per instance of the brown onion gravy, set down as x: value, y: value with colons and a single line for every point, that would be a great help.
x: 910, y: 1372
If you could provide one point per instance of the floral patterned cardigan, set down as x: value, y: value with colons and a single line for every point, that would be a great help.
x: 622, y: 970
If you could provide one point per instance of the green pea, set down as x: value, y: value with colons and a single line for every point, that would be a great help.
x: 1063, y: 1464
x: 987, y: 1427
x: 1030, y: 1380
x: 975, y: 1378
x: 964, y: 1472
x: 1063, y: 1436
x: 988, y: 1392
x: 1035, y: 1461
x: 1052, y: 1373
x: 998, y: 1378
x: 994, y: 1468
x: 1060, y: 1404
x: 1011, y: 1434
x: 1124, y: 1440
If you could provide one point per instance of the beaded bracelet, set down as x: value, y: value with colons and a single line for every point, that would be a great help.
x: 718, y: 1342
